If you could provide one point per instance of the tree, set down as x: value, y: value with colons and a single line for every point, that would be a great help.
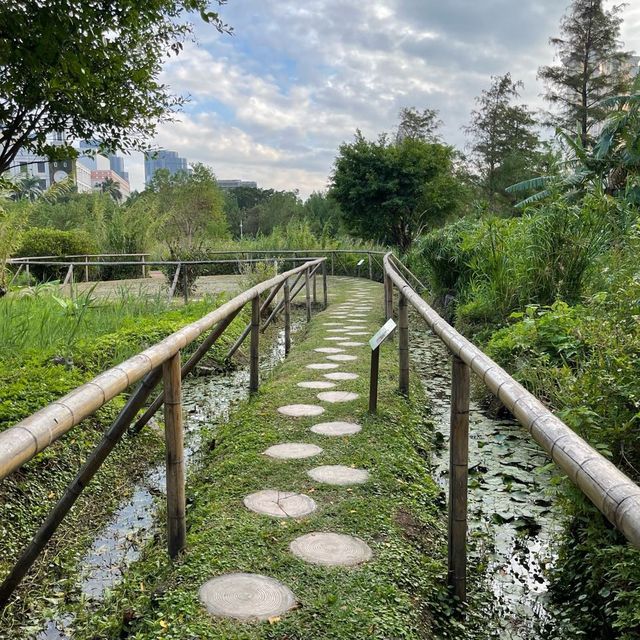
x: 592, y: 66
x: 190, y: 208
x: 323, y: 213
x: 111, y: 188
x: 418, y: 125
x: 89, y: 70
x: 27, y: 187
x: 390, y: 192
x: 504, y: 141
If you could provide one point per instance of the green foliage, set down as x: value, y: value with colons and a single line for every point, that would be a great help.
x: 12, y: 223
x: 392, y: 192
x: 323, y: 214
x: 71, y: 73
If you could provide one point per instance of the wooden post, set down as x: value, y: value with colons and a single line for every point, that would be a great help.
x: 86, y: 268
x: 174, y: 284
x: 143, y: 260
x: 185, y: 284
x: 403, y: 343
x: 28, y: 273
x: 370, y: 267
x: 333, y: 255
x: 315, y: 297
x: 287, y: 317
x: 388, y: 297
x: 307, y: 289
x: 325, y: 296
x: 458, y: 473
x: 373, y: 380
x: 174, y: 440
x: 254, y: 358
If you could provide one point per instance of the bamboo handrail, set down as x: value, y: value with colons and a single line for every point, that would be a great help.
x: 20, y: 443
x: 608, y: 488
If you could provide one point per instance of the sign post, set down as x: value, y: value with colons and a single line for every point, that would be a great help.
x: 381, y: 335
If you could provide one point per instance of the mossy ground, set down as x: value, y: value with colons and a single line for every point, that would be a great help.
x: 399, y: 594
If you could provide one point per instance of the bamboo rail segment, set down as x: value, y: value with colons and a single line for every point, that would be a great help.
x: 610, y: 490
x: 162, y: 361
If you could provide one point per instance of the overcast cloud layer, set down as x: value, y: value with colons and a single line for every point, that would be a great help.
x: 273, y: 102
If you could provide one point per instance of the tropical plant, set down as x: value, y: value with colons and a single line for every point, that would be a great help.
x: 27, y: 187
x: 111, y: 188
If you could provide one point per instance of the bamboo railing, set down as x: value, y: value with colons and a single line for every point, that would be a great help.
x: 610, y: 490
x: 162, y: 361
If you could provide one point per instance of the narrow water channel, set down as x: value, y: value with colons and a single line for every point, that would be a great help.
x: 512, y: 518
x: 207, y: 401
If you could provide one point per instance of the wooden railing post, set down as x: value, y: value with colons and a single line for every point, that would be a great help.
x: 143, y: 260
x: 307, y: 287
x: 333, y: 255
x: 403, y: 343
x: 325, y: 296
x: 185, y: 284
x: 86, y: 268
x: 458, y: 473
x: 254, y: 357
x: 287, y: 317
x: 388, y: 297
x: 370, y: 267
x: 174, y: 438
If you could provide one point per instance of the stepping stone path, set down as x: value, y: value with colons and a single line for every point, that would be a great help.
x: 301, y: 410
x: 338, y: 474
x: 316, y: 384
x: 336, y: 428
x: 280, y: 504
x: 254, y: 597
x: 246, y: 596
x: 292, y: 451
x: 331, y: 549
x: 337, y: 396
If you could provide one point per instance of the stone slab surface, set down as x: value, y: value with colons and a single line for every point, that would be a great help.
x: 331, y: 549
x: 292, y: 450
x: 334, y: 338
x: 340, y: 375
x: 280, y: 504
x: 337, y: 396
x: 322, y: 365
x: 300, y: 410
x: 246, y: 596
x: 357, y: 333
x: 328, y: 350
x: 336, y: 428
x: 351, y: 344
x: 338, y: 474
x: 342, y: 357
x: 316, y: 384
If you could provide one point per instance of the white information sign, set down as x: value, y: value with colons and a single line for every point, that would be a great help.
x: 361, y: 262
x: 382, y: 334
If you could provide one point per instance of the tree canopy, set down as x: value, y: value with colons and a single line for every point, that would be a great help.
x: 87, y: 69
x: 390, y: 192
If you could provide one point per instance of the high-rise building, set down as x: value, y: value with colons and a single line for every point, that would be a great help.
x: 163, y: 159
x: 235, y: 184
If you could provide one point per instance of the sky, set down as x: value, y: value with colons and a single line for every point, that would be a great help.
x: 274, y: 101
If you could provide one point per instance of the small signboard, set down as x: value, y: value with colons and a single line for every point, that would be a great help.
x: 360, y: 263
x: 382, y: 334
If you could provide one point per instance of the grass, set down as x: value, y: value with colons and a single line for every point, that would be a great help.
x: 399, y: 594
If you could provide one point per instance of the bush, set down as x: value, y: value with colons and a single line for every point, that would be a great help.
x: 53, y: 242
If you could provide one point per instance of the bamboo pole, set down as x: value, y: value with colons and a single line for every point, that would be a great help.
x: 254, y: 360
x: 333, y: 255
x: 315, y: 297
x: 86, y: 268
x: 143, y: 260
x: 75, y: 488
x: 287, y: 318
x: 185, y: 285
x: 370, y: 267
x: 307, y: 292
x: 388, y: 300
x: 458, y: 475
x: 174, y: 439
x: 188, y: 366
x: 403, y: 343
x: 174, y: 284
x: 325, y: 295
x: 16, y: 274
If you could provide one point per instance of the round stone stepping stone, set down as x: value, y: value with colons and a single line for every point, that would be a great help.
x: 340, y: 375
x: 322, y: 365
x: 338, y: 474
x: 316, y: 384
x: 300, y: 410
x: 280, y: 504
x: 351, y: 344
x: 331, y: 549
x: 336, y: 428
x: 342, y: 357
x: 337, y: 396
x: 246, y: 596
x: 328, y: 350
x: 292, y: 451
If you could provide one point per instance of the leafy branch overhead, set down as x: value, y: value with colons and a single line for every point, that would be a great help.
x: 90, y: 69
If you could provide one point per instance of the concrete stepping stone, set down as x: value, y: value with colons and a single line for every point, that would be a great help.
x: 336, y: 428
x: 331, y: 549
x: 357, y: 333
x: 337, y: 396
x: 322, y: 365
x: 292, y: 451
x: 342, y: 357
x: 331, y: 324
x: 300, y: 410
x: 246, y: 596
x: 351, y: 344
x: 357, y: 327
x: 328, y: 350
x: 280, y: 504
x: 341, y: 330
x: 340, y: 375
x: 316, y: 384
x: 334, y: 338
x: 338, y: 474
